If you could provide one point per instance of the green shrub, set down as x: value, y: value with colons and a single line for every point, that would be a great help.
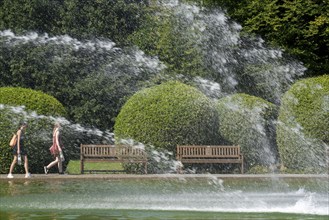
x: 37, y: 101
x: 167, y: 115
x: 164, y: 35
x: 39, y: 138
x: 39, y: 131
x: 248, y: 121
x: 302, y: 131
x: 258, y: 169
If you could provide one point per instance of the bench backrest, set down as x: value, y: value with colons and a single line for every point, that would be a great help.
x: 130, y: 152
x: 208, y: 151
x: 121, y: 151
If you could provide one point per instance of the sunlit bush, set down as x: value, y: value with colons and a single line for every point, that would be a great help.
x: 167, y: 115
x: 302, y: 131
x: 33, y: 100
x: 248, y: 121
x: 39, y: 131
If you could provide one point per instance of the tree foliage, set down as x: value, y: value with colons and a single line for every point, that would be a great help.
x: 162, y: 34
x: 91, y: 78
x: 67, y: 49
x: 79, y: 19
x: 195, y: 42
x: 102, y: 18
x: 301, y: 27
x: 30, y: 15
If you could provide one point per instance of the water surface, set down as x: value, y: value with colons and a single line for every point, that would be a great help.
x: 165, y: 198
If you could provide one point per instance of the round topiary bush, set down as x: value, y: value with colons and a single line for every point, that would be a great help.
x: 167, y: 115
x: 303, y: 128
x: 37, y: 101
x: 39, y: 131
x: 248, y: 121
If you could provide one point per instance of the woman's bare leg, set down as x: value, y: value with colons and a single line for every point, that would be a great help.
x: 53, y: 163
x: 26, y: 165
x: 13, y: 164
x: 60, y: 166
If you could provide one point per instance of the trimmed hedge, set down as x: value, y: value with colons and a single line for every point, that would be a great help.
x: 39, y: 138
x: 39, y: 131
x: 37, y: 101
x: 167, y: 115
x: 248, y: 121
x: 302, y: 131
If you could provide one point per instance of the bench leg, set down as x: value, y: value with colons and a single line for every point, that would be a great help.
x: 179, y: 170
x: 81, y: 166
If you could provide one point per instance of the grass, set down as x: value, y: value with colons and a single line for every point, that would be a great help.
x: 73, y: 167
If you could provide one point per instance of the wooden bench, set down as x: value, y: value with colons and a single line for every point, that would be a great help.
x: 209, y: 154
x: 111, y: 153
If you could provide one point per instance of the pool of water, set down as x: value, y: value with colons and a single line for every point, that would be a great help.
x: 172, y: 198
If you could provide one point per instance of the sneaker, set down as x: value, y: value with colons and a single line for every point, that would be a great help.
x: 10, y: 176
x: 28, y: 175
x: 45, y: 169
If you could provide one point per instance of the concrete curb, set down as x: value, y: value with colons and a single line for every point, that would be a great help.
x: 3, y: 177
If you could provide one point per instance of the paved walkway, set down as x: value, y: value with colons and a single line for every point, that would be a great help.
x: 3, y: 177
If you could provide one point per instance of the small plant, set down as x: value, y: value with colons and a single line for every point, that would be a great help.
x: 258, y: 169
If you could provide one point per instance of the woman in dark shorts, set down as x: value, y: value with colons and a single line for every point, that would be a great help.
x: 19, y: 149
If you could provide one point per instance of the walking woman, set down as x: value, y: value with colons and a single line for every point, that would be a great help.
x: 19, y: 151
x: 56, y: 151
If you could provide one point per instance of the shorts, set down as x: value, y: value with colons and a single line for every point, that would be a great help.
x: 23, y: 151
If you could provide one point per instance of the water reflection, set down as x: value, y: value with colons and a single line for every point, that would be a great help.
x: 208, y: 195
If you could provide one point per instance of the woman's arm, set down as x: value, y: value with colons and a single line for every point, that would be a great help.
x: 19, y: 141
x: 57, y: 141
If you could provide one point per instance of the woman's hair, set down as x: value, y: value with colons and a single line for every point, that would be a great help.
x: 24, y: 123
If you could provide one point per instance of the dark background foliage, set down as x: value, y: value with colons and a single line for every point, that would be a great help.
x: 92, y: 56
x: 64, y: 71
x: 300, y: 27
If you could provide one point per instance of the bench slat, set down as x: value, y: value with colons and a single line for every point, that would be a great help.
x: 211, y: 161
x: 210, y: 156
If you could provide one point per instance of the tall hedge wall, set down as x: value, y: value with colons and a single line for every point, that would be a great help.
x: 39, y: 131
x: 248, y: 121
x: 166, y: 115
x: 303, y: 128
